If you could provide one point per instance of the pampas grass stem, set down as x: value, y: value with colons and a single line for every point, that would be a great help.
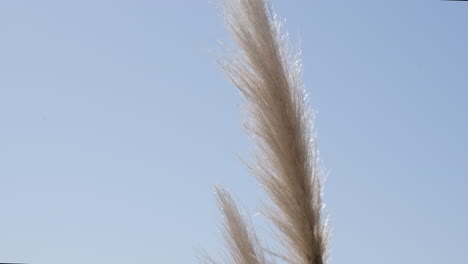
x: 286, y: 158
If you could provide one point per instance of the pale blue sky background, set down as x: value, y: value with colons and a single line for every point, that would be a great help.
x: 115, y: 122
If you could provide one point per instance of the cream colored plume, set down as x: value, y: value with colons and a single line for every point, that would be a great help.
x: 286, y: 154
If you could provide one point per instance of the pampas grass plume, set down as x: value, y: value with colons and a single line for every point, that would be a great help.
x: 286, y: 157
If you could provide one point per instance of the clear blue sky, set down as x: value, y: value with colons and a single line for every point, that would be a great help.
x: 115, y: 122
